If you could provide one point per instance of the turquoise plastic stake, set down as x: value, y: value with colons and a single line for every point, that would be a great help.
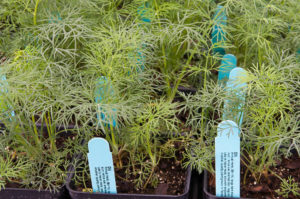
x: 140, y: 61
x: 139, y: 58
x: 228, y: 63
x: 102, y: 91
x: 144, y: 14
x: 236, y: 89
x: 4, y: 90
x: 55, y: 17
x: 218, y: 35
x: 227, y: 160
x: 101, y: 166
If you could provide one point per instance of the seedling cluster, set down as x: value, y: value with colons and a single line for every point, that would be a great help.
x: 155, y: 78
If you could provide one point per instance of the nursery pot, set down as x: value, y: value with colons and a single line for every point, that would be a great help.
x: 23, y: 193
x: 85, y: 195
x: 19, y: 193
x: 293, y: 169
x: 206, y: 194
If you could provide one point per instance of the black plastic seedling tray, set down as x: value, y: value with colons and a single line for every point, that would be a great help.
x: 84, y: 195
x: 22, y: 193
x: 19, y: 193
x: 196, y: 185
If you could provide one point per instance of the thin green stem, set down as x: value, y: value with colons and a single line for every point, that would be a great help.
x: 113, y: 136
x: 245, y: 58
x: 50, y: 132
x: 35, y: 12
x: 36, y: 136
x: 149, y: 178
x: 202, y: 113
x: 165, y: 70
x: 175, y: 88
x: 153, y: 161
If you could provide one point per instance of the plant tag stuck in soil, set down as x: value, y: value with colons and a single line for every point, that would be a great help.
x: 140, y: 61
x: 55, y: 17
x: 139, y: 58
x: 144, y: 13
x: 145, y: 17
x: 4, y: 106
x: 104, y: 90
x: 236, y: 88
x: 218, y: 34
x: 228, y: 63
x: 101, y: 166
x: 227, y: 160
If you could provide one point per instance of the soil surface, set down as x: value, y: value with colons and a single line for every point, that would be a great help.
x: 268, y: 186
x: 171, y: 180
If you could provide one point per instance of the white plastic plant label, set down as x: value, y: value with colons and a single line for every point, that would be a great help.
x: 227, y: 160
x: 101, y: 166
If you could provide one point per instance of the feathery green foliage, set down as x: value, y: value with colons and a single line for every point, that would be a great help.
x: 54, y: 52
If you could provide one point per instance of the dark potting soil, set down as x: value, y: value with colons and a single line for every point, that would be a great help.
x: 268, y: 186
x: 171, y: 180
x: 12, y: 185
